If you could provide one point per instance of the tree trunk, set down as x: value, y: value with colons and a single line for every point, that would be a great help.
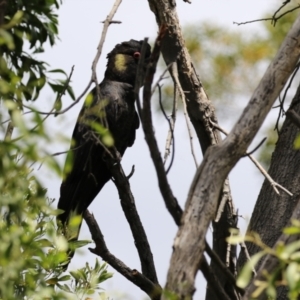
x: 285, y: 170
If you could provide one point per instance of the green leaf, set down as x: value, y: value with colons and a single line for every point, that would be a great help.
x: 71, y: 92
x: 235, y: 239
x: 78, y: 244
x: 291, y: 230
x: 297, y: 142
x: 292, y: 274
x: 57, y: 71
x: 246, y: 273
x: 89, y: 100
x: 16, y: 19
x: 64, y: 288
x: 7, y: 39
x: 52, y: 281
x: 289, y: 249
x: 108, y: 140
x: 64, y: 278
x: 44, y: 243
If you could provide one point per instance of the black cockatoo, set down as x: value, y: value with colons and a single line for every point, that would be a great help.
x: 89, y: 172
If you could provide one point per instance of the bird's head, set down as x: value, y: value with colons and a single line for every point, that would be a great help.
x: 123, y: 61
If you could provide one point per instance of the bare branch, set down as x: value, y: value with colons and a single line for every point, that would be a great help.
x: 170, y: 137
x: 146, y: 118
x: 132, y: 216
x: 281, y: 101
x: 151, y: 289
x: 273, y: 183
x: 245, y: 251
x: 273, y: 19
x: 107, y: 22
x: 174, y: 74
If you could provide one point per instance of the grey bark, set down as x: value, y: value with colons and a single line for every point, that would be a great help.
x: 204, y: 194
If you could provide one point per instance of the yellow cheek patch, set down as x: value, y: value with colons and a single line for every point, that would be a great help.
x: 120, y: 62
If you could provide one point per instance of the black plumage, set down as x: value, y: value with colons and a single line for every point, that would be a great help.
x: 89, y: 172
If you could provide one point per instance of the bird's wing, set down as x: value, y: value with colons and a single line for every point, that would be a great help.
x: 88, y: 172
x: 135, y: 126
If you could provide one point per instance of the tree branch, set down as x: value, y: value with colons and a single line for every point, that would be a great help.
x: 132, y: 216
x: 151, y: 289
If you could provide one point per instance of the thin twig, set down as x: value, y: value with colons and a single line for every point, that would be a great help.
x: 281, y: 7
x: 172, y: 121
x: 161, y: 77
x: 98, y: 54
x: 170, y: 138
x: 282, y: 111
x: 273, y: 19
x: 256, y: 148
x: 151, y: 289
x: 113, y: 22
x: 146, y: 118
x: 273, y: 183
x: 131, y: 172
x: 245, y: 250
x: 174, y: 74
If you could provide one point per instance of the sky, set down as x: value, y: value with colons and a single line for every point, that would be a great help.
x: 80, y: 30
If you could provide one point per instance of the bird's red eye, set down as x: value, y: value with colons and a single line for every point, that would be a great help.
x: 136, y: 55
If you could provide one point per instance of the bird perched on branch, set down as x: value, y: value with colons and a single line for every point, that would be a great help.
x: 111, y: 105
